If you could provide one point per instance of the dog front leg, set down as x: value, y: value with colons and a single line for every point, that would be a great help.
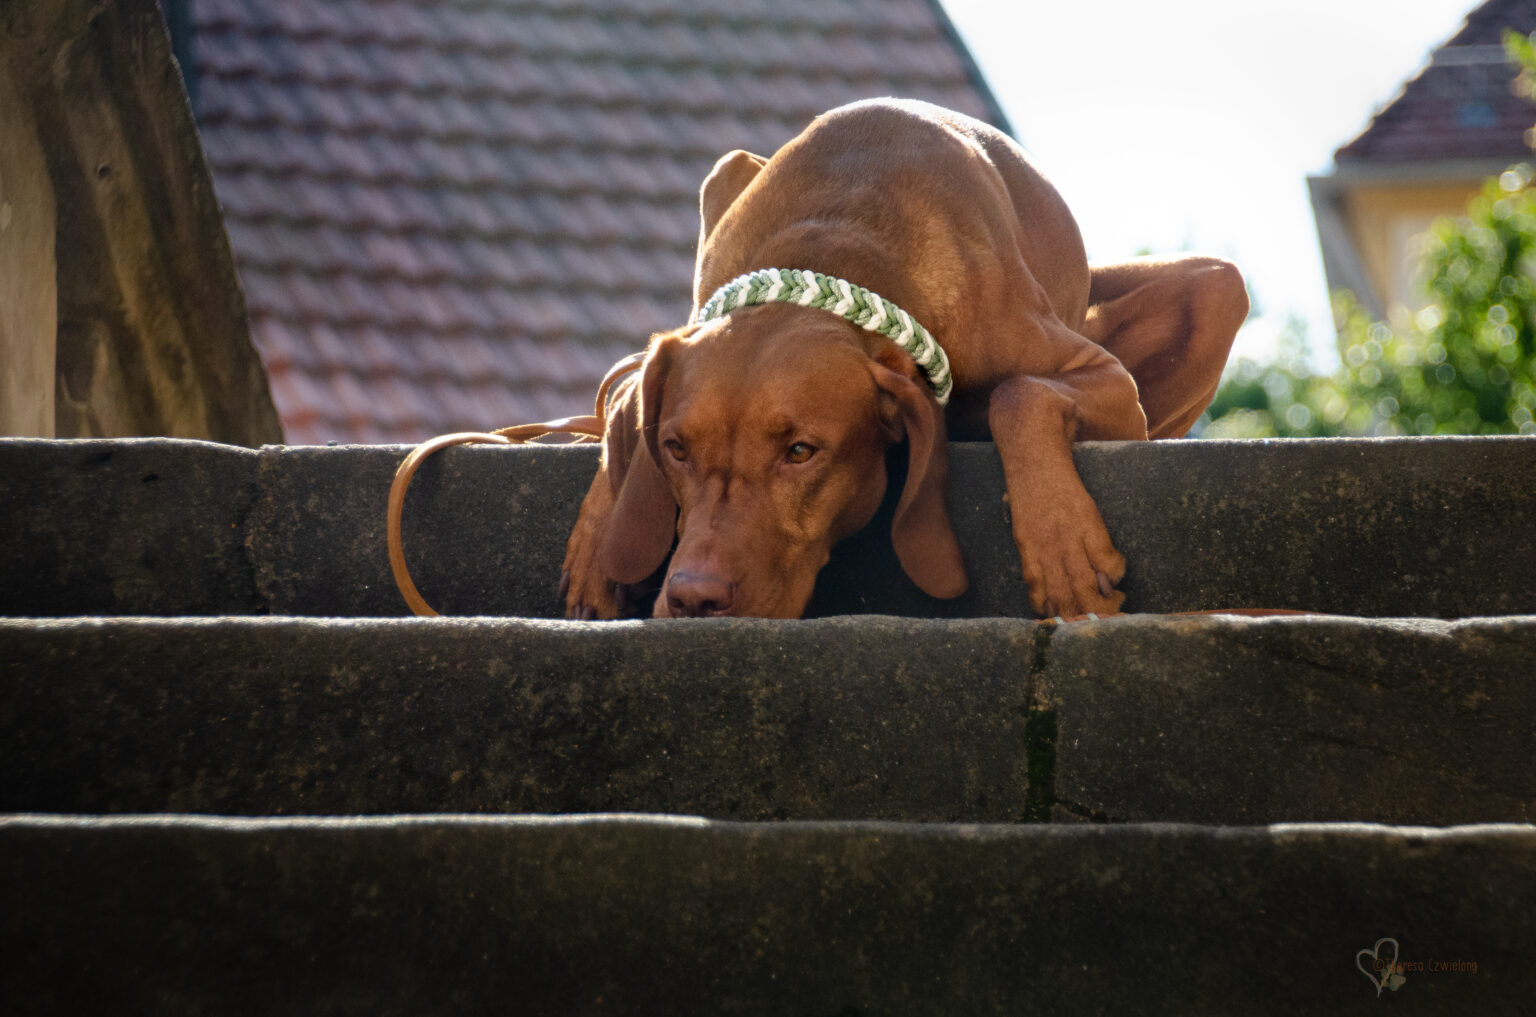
x: 1070, y: 563
x: 586, y: 592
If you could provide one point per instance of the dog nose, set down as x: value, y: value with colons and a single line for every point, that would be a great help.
x: 694, y: 595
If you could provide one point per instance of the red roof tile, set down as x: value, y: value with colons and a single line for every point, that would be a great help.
x: 456, y: 215
x: 1461, y: 105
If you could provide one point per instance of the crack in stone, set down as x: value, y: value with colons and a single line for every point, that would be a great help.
x: 1039, y: 733
x: 1339, y: 741
x: 1084, y: 812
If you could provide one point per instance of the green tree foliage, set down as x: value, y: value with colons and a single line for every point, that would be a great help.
x: 1465, y: 365
x: 1280, y: 397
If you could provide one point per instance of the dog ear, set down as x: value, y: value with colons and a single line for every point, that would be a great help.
x: 732, y: 174
x: 643, y: 524
x: 921, y: 531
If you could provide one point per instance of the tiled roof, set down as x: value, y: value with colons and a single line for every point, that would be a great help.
x: 457, y: 215
x: 1461, y: 105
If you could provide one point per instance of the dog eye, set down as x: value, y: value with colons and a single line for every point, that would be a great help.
x: 799, y: 452
x: 675, y: 449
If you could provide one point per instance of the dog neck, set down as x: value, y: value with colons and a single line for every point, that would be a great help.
x: 849, y: 301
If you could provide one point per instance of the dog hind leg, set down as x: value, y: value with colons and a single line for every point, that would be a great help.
x: 1171, y: 322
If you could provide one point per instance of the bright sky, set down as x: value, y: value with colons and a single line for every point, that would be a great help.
x: 1194, y: 123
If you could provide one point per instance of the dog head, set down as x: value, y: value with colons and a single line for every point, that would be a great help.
x: 761, y: 444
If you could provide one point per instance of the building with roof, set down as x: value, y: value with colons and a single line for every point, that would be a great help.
x: 456, y: 215
x: 1456, y: 123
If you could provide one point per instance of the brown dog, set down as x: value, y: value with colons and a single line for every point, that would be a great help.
x: 756, y: 440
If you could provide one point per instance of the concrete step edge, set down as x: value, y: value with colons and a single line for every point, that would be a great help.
x: 600, y: 914
x: 1203, y: 719
x: 1436, y: 527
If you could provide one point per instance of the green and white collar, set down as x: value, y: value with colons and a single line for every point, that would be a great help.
x: 864, y: 308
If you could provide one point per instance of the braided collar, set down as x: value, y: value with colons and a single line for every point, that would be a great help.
x: 853, y: 303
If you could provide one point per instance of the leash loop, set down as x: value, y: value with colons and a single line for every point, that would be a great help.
x: 583, y: 429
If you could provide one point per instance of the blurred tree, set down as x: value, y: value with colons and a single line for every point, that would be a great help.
x: 1465, y: 365
x: 1280, y: 397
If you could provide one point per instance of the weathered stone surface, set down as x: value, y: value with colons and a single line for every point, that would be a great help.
x: 1435, y: 527
x: 152, y: 335
x: 1438, y: 527
x: 870, y: 718
x: 1217, y: 720
x: 108, y: 527
x: 484, y: 528
x: 1234, y: 720
x: 624, y: 915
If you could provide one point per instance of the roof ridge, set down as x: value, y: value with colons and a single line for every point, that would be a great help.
x: 973, y: 70
x: 1462, y: 52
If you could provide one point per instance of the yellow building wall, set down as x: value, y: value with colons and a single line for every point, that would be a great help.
x: 1384, y: 224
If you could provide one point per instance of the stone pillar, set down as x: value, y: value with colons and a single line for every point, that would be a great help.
x: 28, y: 272
x: 144, y: 327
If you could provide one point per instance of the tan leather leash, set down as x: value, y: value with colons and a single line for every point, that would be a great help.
x: 585, y: 429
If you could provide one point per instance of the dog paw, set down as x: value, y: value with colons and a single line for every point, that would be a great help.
x: 1070, y: 564
x: 593, y: 598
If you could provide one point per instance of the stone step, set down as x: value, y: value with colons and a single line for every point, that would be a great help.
x: 1433, y: 527
x: 626, y: 914
x: 1209, y: 719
